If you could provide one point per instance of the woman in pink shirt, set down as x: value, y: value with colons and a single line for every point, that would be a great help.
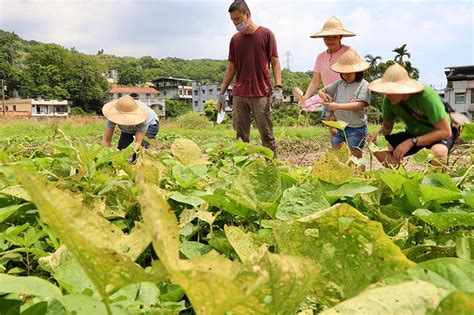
x: 332, y: 33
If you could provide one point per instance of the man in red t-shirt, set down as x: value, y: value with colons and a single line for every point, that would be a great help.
x: 252, y: 50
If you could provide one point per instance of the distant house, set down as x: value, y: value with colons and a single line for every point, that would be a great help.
x: 174, y: 88
x: 204, y: 92
x: 147, y: 95
x: 460, y: 89
x: 38, y: 108
x: 111, y: 76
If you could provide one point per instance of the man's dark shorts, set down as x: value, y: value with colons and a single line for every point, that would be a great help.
x: 397, y: 138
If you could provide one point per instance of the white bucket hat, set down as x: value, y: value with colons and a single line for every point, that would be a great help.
x: 125, y: 111
x: 396, y: 81
x: 332, y: 27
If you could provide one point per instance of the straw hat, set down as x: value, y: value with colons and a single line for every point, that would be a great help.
x: 125, y: 111
x: 350, y: 62
x: 396, y: 81
x: 332, y: 27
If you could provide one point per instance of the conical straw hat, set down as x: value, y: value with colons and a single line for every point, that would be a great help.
x: 396, y: 81
x: 332, y: 27
x: 350, y: 62
x: 125, y: 111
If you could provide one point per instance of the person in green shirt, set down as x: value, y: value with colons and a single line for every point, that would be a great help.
x: 428, y: 125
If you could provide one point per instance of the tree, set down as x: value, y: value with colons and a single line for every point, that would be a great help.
x: 148, y: 62
x: 130, y: 75
x: 400, y: 53
x: 9, y: 46
x: 372, y: 60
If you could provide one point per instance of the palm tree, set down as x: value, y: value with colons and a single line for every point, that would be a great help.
x: 400, y: 53
x: 373, y: 72
x: 372, y: 60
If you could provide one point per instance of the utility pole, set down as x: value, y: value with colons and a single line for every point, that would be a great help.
x: 3, y: 99
x: 288, y: 60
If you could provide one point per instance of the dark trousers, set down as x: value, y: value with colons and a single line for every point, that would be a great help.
x: 127, y: 138
x: 397, y: 138
x: 259, y: 107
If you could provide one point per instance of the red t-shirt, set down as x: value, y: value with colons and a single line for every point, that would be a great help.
x: 251, y: 54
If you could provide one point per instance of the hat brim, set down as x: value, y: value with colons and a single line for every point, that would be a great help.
x: 332, y: 32
x: 358, y: 67
x: 128, y: 119
x: 406, y: 87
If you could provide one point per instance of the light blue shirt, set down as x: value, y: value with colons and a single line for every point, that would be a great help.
x: 152, y: 119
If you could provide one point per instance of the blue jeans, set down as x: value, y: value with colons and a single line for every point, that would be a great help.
x: 355, y: 137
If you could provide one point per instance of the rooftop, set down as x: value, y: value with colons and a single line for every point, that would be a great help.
x: 459, y: 73
x: 138, y: 90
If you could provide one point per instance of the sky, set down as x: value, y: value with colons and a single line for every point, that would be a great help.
x: 438, y: 34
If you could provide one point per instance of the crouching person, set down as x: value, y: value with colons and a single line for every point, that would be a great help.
x: 427, y: 124
x: 135, y: 121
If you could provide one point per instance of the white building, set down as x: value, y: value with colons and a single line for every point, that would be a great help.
x: 203, y: 92
x: 146, y: 95
x: 460, y: 89
x: 51, y: 108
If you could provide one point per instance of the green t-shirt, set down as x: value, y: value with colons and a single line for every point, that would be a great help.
x: 426, y: 105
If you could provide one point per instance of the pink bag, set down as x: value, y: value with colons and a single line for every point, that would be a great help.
x: 311, y: 104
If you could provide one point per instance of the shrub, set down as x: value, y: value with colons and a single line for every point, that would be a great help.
x: 193, y: 120
x: 289, y: 115
x: 78, y: 111
x: 210, y: 109
x: 176, y: 108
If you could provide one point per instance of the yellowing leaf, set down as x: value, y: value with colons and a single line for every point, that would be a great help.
x: 331, y: 170
x: 339, y: 124
x: 257, y: 187
x: 414, y: 297
x: 188, y: 152
x: 351, y: 251
x: 91, y: 239
x: 270, y: 284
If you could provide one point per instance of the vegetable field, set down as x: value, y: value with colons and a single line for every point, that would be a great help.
x: 209, y: 227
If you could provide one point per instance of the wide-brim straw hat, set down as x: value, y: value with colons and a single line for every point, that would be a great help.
x: 350, y: 62
x: 332, y: 27
x: 396, y: 81
x: 125, y: 111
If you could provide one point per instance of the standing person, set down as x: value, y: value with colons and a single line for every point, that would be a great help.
x: 252, y: 49
x: 332, y: 33
x: 134, y: 119
x: 349, y: 96
x: 428, y: 125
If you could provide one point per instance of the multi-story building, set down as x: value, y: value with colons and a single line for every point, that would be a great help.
x: 460, y: 89
x: 35, y: 108
x: 204, y: 92
x: 146, y: 95
x: 174, y: 88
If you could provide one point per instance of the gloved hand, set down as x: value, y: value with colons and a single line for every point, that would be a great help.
x: 277, y: 97
x: 133, y: 158
x: 221, y: 102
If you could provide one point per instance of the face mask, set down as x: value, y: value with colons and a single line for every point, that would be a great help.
x: 241, y: 27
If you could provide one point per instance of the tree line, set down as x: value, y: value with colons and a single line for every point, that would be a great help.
x: 32, y: 69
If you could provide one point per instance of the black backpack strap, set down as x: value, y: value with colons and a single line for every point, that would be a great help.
x: 411, y: 112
